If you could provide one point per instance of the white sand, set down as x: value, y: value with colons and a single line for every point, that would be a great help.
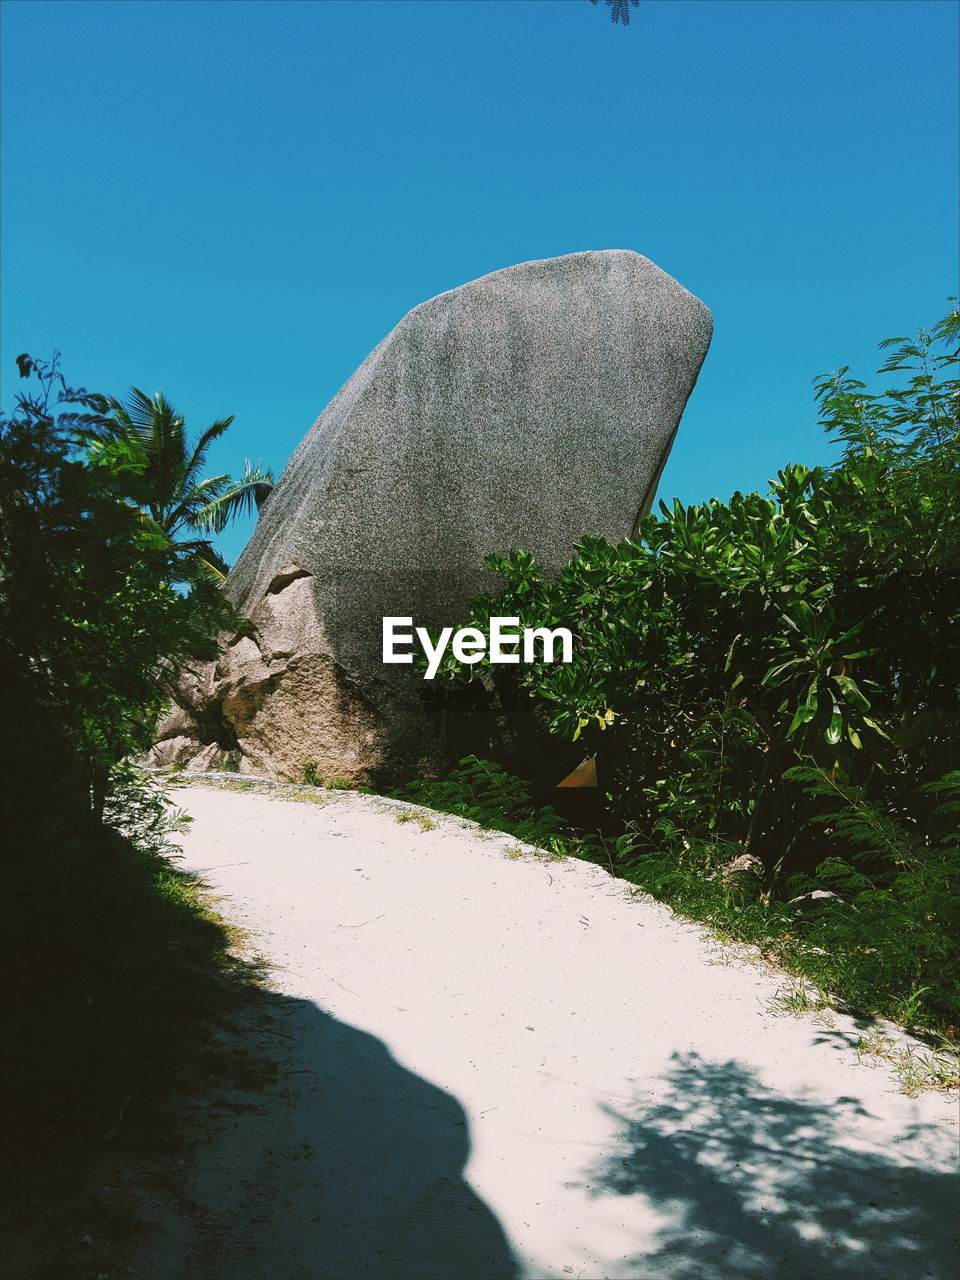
x: 500, y: 1068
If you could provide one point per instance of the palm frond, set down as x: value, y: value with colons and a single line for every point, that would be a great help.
x: 153, y: 528
x: 212, y: 564
x: 199, y: 454
x: 140, y: 409
x: 199, y: 558
x: 117, y: 452
x: 242, y: 498
x: 195, y: 500
x: 147, y: 436
x: 160, y: 431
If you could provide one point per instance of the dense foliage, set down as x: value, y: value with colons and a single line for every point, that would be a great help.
x: 107, y: 946
x: 772, y: 685
x: 94, y: 595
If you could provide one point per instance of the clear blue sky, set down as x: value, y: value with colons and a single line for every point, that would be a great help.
x: 234, y: 201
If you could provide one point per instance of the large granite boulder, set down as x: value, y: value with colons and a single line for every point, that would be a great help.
x: 522, y: 410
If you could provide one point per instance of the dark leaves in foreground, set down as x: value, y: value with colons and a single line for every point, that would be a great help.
x: 620, y: 9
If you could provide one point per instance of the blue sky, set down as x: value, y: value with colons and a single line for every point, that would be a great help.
x: 235, y: 201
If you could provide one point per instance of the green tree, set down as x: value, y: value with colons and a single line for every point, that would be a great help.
x: 93, y: 597
x: 110, y: 956
x: 146, y: 440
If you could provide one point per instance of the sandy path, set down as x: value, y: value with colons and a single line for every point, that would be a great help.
x: 496, y: 1068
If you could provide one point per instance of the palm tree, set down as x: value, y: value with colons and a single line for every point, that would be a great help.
x: 148, y: 438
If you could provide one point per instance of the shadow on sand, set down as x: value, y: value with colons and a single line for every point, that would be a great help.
x: 348, y: 1166
x: 756, y: 1185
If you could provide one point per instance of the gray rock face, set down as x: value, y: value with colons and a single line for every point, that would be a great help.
x: 522, y: 410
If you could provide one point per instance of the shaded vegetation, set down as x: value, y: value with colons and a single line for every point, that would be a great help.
x: 114, y: 965
x: 484, y: 792
x: 111, y: 956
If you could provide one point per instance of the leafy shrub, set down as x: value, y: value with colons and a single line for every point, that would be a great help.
x: 887, y: 933
x: 311, y: 776
x: 96, y: 602
x: 485, y: 793
x: 728, y: 647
